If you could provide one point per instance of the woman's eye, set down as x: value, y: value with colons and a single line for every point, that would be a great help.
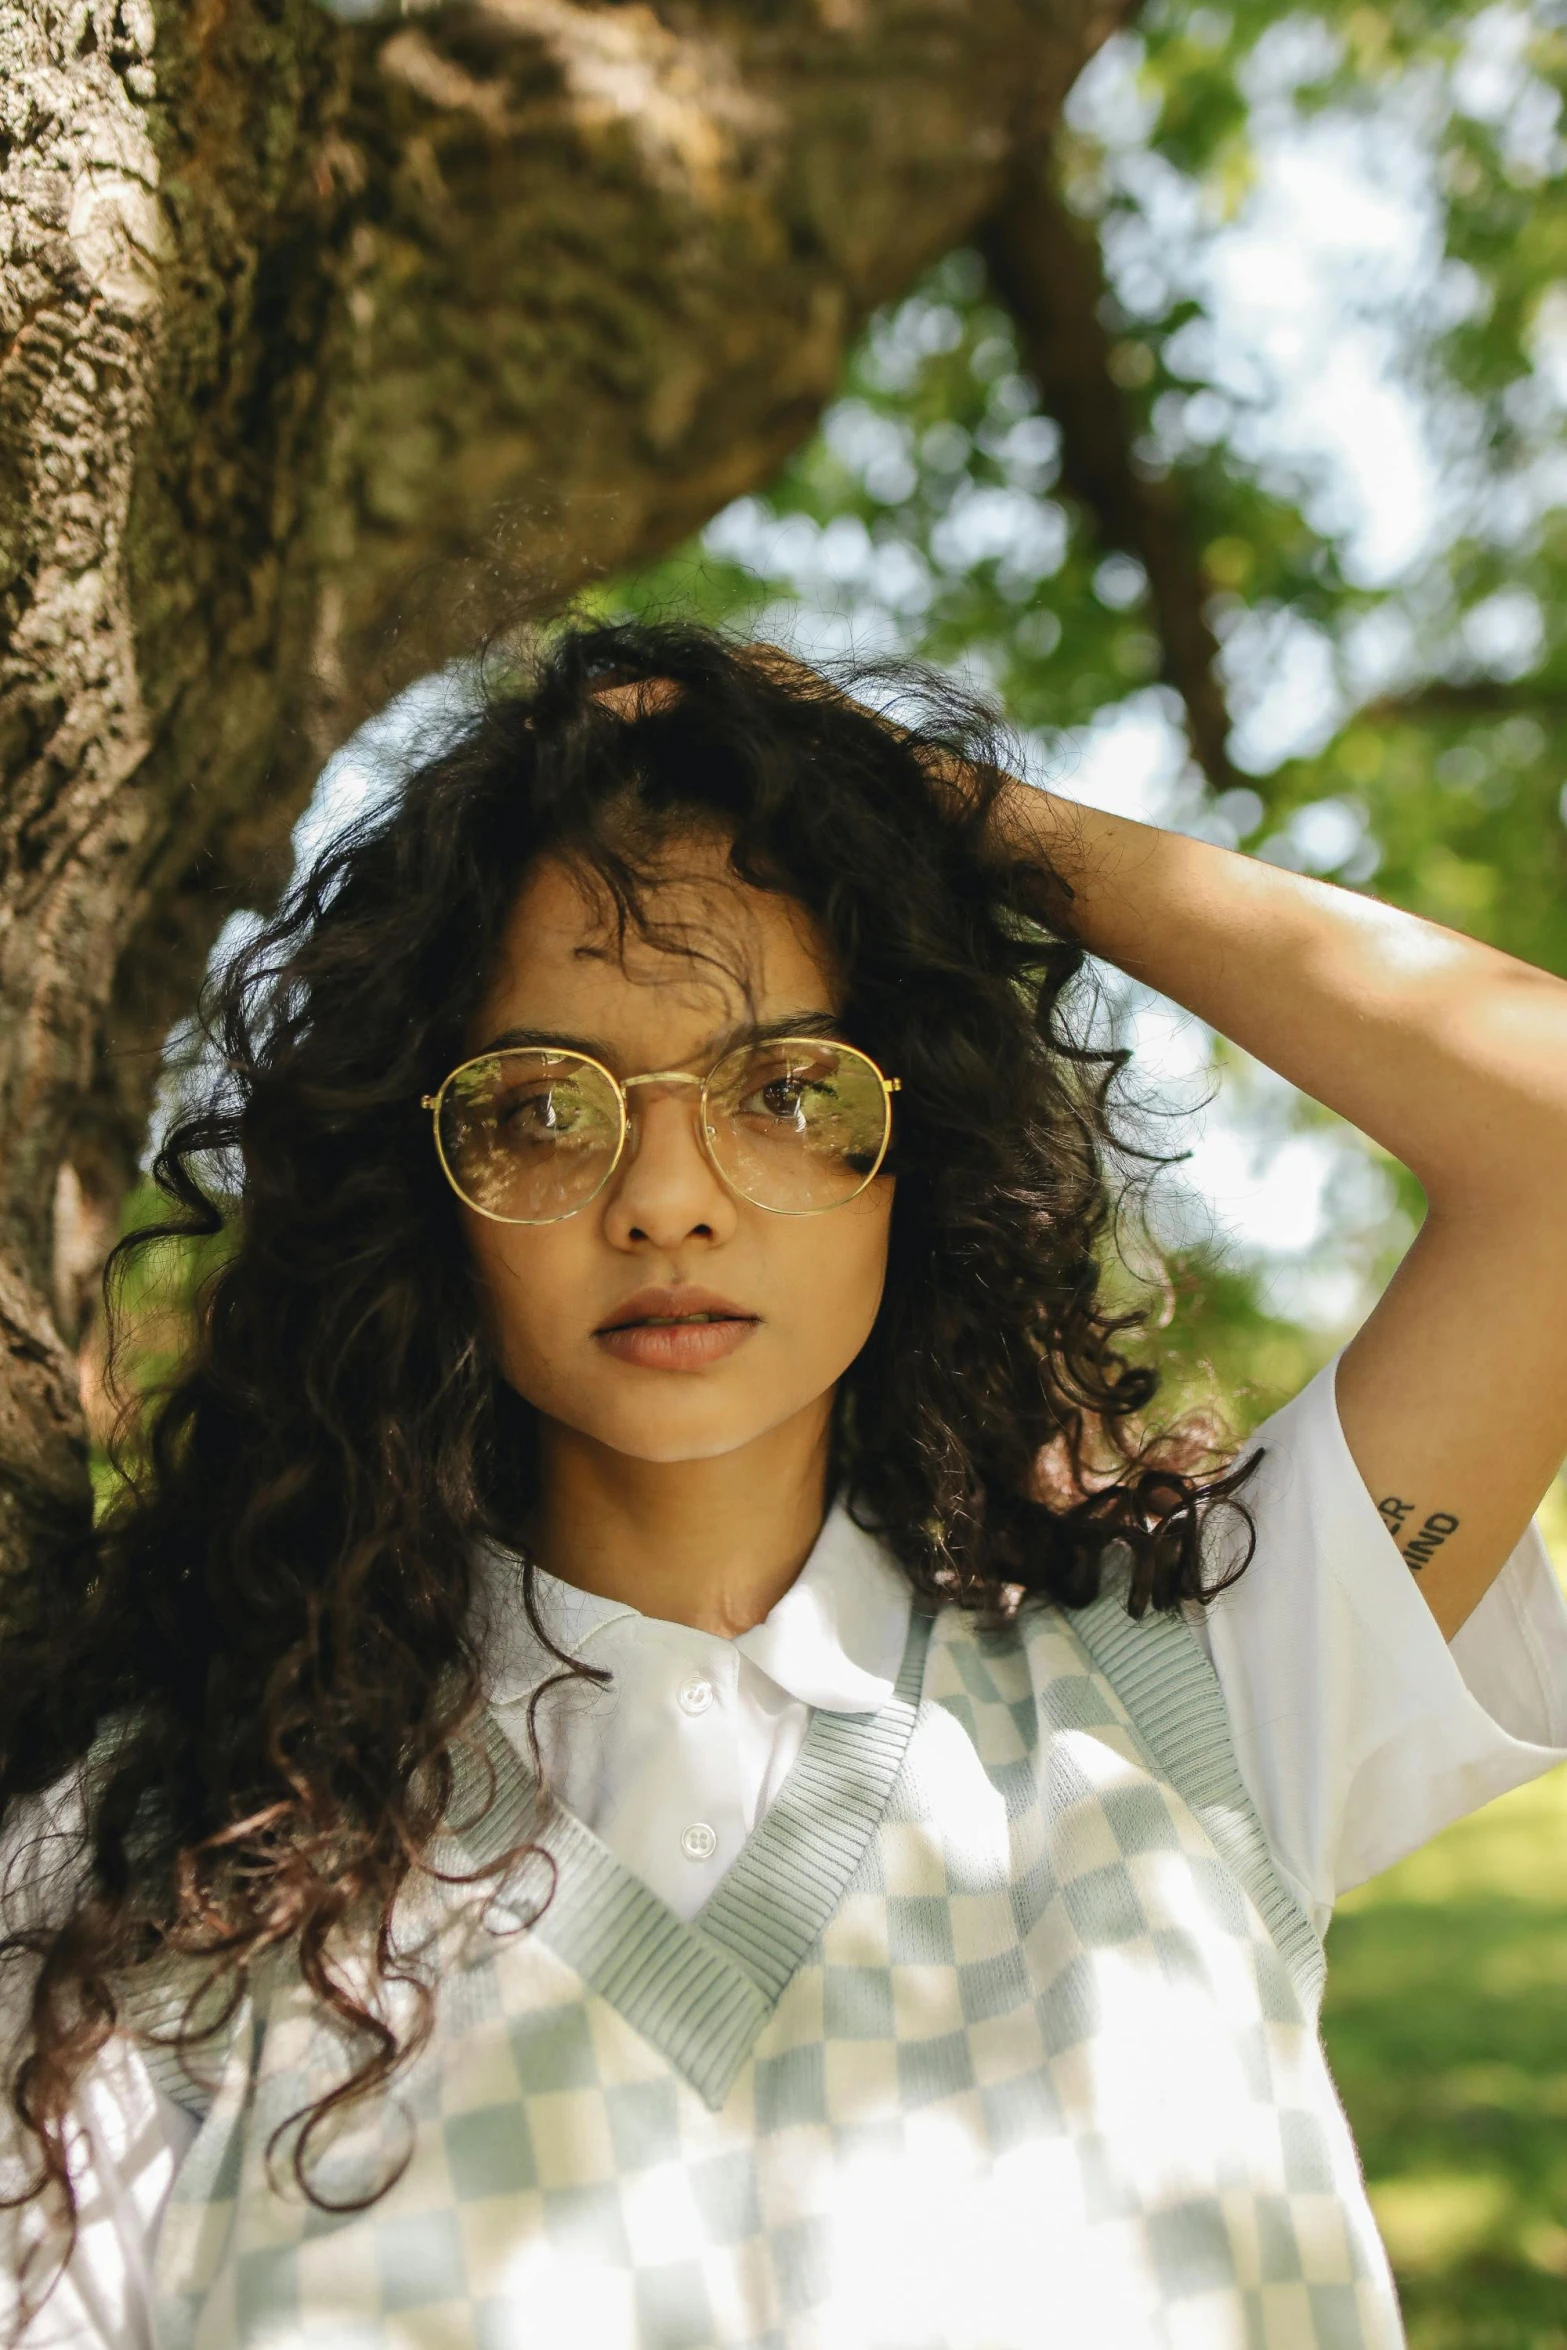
x: 535, y: 1114
x: 782, y: 1097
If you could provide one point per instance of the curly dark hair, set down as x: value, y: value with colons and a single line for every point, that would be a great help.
x: 260, y: 1674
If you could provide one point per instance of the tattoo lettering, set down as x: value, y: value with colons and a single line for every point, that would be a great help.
x: 1431, y: 1536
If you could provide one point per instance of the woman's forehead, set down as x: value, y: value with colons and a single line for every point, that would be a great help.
x: 720, y: 954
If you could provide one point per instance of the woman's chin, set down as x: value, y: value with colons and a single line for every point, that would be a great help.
x: 687, y: 1427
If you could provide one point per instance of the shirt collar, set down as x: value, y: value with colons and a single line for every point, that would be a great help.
x: 834, y: 1640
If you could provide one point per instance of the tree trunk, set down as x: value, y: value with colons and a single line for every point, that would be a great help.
x: 305, y: 320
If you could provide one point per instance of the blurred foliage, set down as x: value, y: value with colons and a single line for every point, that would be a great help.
x: 157, y: 1290
x: 1451, y: 681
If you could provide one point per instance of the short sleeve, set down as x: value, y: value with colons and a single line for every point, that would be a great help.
x: 1359, y: 1731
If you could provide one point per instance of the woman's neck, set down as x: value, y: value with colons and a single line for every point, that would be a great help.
x: 711, y: 1543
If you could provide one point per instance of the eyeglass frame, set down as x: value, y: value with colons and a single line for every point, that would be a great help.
x: 621, y: 1088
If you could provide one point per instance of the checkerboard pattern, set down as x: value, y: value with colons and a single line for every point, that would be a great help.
x: 1048, y: 2074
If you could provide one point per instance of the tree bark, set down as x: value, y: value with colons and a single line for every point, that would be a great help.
x: 302, y: 324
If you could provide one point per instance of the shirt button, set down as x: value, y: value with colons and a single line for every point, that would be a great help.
x: 698, y: 1842
x: 696, y: 1695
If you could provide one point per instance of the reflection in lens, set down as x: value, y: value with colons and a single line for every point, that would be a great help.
x: 529, y: 1136
x: 797, y: 1124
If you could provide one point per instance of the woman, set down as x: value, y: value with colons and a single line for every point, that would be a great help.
x: 657, y: 1752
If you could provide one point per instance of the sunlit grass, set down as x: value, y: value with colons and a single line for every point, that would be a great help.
x: 1446, y: 2024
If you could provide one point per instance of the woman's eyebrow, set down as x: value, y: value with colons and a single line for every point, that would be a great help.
x: 553, y: 1040
x: 827, y: 1024
x: 817, y: 1023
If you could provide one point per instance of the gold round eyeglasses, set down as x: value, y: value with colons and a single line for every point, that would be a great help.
x: 532, y: 1133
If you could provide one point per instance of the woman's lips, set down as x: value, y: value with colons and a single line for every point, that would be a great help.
x: 676, y: 1346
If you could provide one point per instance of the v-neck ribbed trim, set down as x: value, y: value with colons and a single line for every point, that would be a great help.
x: 702, y: 1992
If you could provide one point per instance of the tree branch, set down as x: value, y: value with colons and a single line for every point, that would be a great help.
x: 1480, y: 697
x: 1046, y: 266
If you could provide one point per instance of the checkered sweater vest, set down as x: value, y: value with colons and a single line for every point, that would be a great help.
x: 1001, y: 2031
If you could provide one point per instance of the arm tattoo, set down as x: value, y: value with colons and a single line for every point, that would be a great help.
x: 1431, y: 1536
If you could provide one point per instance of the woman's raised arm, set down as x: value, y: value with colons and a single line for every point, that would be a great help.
x: 1453, y: 1396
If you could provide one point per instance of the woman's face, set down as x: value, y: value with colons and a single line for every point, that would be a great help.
x: 804, y: 1289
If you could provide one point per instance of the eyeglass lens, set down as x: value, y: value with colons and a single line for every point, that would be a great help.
x: 529, y: 1136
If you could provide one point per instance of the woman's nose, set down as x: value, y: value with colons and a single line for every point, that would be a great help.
x: 666, y: 1188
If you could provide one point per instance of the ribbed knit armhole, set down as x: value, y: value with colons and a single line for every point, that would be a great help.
x: 1157, y: 1668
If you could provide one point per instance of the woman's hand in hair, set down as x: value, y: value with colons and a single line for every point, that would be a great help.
x: 1453, y: 1056
x: 638, y: 697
